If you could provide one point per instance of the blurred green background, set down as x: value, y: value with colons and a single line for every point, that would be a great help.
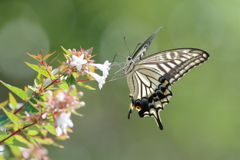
x: 202, y: 119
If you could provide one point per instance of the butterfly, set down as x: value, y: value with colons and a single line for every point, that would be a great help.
x: 149, y: 79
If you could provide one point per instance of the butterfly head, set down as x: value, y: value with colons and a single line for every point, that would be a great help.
x: 128, y: 65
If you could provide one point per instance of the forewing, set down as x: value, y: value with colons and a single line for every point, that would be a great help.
x: 173, y: 64
x: 139, y: 54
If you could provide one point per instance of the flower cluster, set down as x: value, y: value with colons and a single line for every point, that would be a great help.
x: 35, y: 153
x: 48, y: 105
x: 61, y: 104
x: 81, y: 60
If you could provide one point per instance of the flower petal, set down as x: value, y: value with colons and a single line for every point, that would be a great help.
x: 63, y: 121
x: 100, y: 79
x: 78, y: 61
x: 59, y: 131
x: 103, y: 67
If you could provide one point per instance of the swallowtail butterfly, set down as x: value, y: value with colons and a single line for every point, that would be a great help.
x: 149, y: 79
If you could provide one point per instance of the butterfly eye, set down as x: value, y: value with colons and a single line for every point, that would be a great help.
x: 129, y: 58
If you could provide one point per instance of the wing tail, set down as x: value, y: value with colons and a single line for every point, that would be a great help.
x: 155, y: 113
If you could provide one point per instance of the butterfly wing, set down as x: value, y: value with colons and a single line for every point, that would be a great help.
x: 150, y: 79
x: 173, y: 64
x: 139, y: 54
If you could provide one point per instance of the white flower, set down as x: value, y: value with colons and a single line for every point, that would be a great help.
x: 44, y: 116
x: 60, y: 96
x: 56, y: 71
x: 63, y: 121
x: 78, y: 61
x: 19, y: 105
x: 103, y: 67
x: 82, y: 104
x: 2, y: 149
x: 100, y: 79
x: 47, y: 82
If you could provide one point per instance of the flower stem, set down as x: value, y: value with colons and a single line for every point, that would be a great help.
x: 83, y: 80
x: 16, y: 132
x: 19, y: 109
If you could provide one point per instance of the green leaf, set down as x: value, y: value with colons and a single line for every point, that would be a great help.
x: 48, y: 55
x: 16, y: 151
x: 13, y: 101
x: 63, y: 85
x: 66, y: 51
x: 4, y: 120
x: 31, y: 139
x: 30, y: 108
x: 43, y: 132
x: 2, y: 137
x: 19, y: 92
x: 3, y: 104
x: 39, y: 80
x: 71, y: 80
x: 29, y: 92
x: 47, y: 141
x: 33, y: 56
x: 5, y: 154
x: 12, y: 158
x: 50, y: 128
x: 85, y: 86
x: 13, y: 141
x: 39, y: 70
x: 21, y: 139
x: 33, y: 132
x: 19, y: 144
x: 14, y: 118
x: 38, y: 57
x: 34, y: 127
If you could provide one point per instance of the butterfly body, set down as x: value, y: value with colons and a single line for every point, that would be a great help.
x: 150, y: 79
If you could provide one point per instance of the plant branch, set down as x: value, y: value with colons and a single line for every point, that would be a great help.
x: 16, y: 132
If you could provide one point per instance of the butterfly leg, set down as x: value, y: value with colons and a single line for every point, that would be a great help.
x: 130, y: 111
